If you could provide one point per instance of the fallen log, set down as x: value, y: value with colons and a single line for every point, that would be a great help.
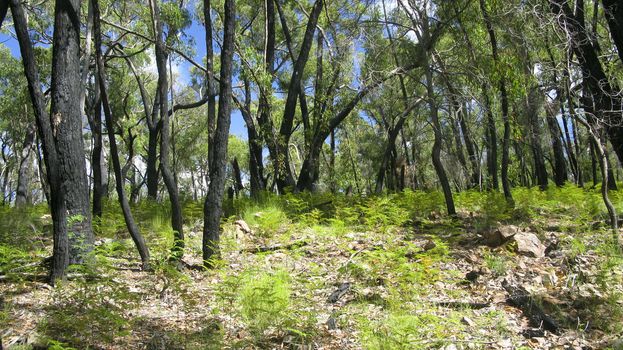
x: 461, y: 304
x: 271, y: 248
x: 520, y: 298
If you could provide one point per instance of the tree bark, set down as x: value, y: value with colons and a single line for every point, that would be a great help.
x: 163, y: 106
x: 119, y: 176
x: 283, y: 173
x: 614, y: 14
x: 210, y: 82
x: 67, y: 126
x: 504, y: 102
x: 560, y: 166
x: 602, y: 97
x: 212, y: 209
x: 21, y: 191
x: 96, y: 155
x: 65, y: 169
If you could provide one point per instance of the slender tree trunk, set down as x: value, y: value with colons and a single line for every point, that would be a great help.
x: 560, y: 166
x: 21, y: 192
x: 491, y: 142
x: 237, y: 176
x: 152, y: 163
x: 504, y: 101
x: 613, y: 10
x: 212, y: 208
x: 163, y: 105
x: 119, y: 177
x: 283, y: 173
x: 96, y: 155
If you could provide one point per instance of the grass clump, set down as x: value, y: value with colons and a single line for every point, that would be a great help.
x: 265, y: 304
x: 401, y: 330
x: 90, y: 312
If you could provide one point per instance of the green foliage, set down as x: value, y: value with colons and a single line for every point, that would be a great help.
x: 498, y: 264
x: 266, y: 220
x: 400, y: 330
x: 264, y: 301
x: 88, y: 312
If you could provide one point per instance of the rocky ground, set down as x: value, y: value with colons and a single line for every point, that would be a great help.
x: 437, y: 283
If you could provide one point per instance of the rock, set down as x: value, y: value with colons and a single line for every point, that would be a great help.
x: 243, y: 226
x: 500, y: 235
x: 617, y: 344
x: 429, y: 245
x: 528, y: 244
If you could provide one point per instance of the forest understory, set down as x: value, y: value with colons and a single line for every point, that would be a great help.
x: 330, y: 272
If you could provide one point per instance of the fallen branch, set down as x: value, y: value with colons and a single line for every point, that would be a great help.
x: 271, y: 248
x: 461, y: 304
x: 520, y: 298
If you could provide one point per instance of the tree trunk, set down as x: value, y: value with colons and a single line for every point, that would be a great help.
x: 68, y: 189
x: 119, y: 177
x: 152, y: 163
x: 210, y: 82
x: 491, y: 142
x: 605, y: 102
x: 163, y: 105
x: 560, y: 166
x: 21, y: 192
x: 237, y: 176
x: 614, y: 14
x: 504, y: 101
x: 212, y: 208
x: 67, y: 126
x: 283, y: 173
x: 97, y: 153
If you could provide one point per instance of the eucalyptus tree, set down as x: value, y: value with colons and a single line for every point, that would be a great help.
x: 212, y: 209
x: 119, y: 176
x: 61, y: 133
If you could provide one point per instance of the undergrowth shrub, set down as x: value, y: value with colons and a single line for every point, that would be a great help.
x: 402, y: 330
x: 264, y: 301
x: 89, y: 312
x: 266, y: 220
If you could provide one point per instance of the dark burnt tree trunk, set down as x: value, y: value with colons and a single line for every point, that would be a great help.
x: 163, y: 107
x: 119, y: 176
x: 237, y: 175
x: 61, y: 134
x: 210, y: 81
x: 21, y: 190
x: 614, y: 14
x: 4, y: 8
x: 152, y: 162
x: 283, y: 174
x: 491, y: 143
x: 601, y: 96
x: 560, y: 165
x: 256, y: 163
x: 504, y: 102
x: 212, y: 209
x: 67, y: 125
x: 95, y: 122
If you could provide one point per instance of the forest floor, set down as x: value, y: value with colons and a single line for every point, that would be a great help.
x: 338, y: 273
